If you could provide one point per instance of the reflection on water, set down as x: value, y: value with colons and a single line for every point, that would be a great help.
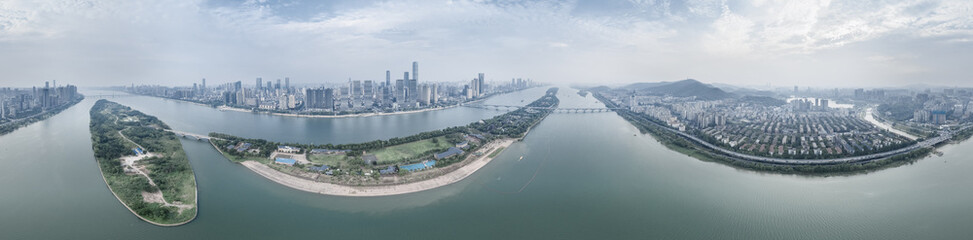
x: 587, y: 176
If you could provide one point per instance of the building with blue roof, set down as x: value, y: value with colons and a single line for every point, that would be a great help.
x: 419, y: 166
x: 452, y: 151
x: 388, y: 170
x: 285, y: 161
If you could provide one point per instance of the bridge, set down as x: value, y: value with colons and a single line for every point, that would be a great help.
x: 198, y: 137
x: 96, y: 96
x: 556, y: 110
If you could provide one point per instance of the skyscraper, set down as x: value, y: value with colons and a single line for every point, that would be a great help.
x: 356, y: 89
x: 388, y: 86
x: 287, y: 84
x: 314, y: 98
x: 204, y: 84
x: 415, y: 71
x: 400, y: 90
x: 260, y: 83
x: 479, y: 86
x: 329, y: 99
x: 369, y: 89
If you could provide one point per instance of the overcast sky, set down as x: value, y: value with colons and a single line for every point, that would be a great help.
x: 817, y: 43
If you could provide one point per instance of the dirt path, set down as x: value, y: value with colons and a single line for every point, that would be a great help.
x: 153, y: 197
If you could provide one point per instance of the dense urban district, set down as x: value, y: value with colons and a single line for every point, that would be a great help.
x: 356, y: 97
x: 143, y: 164
x: 402, y: 160
x: 805, y: 131
x: 20, y: 107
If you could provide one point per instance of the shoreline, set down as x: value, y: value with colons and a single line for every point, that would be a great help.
x: 885, y: 126
x: 354, y: 115
x: 470, y: 167
x: 701, y: 150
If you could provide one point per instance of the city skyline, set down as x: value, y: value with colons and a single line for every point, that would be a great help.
x: 816, y: 43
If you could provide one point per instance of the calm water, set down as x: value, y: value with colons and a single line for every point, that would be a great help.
x: 583, y: 176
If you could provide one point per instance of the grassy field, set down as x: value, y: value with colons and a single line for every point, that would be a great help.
x: 331, y: 159
x: 412, y: 150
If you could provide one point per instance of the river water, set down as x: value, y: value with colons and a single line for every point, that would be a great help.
x: 582, y: 176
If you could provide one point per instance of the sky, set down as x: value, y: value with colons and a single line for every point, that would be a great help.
x: 808, y: 43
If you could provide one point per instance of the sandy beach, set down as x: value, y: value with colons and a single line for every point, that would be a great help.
x: 372, y: 191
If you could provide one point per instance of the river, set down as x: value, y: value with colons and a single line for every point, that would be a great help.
x: 582, y: 176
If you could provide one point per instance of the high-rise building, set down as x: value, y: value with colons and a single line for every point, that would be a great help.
x: 204, y: 84
x: 473, y: 90
x: 260, y: 83
x: 278, y: 84
x: 415, y: 71
x: 387, y: 89
x: 413, y: 89
x: 479, y: 87
x: 313, y: 98
x: 357, y: 91
x: 400, y: 90
x: 329, y: 99
x: 287, y: 84
x: 388, y: 78
x: 369, y: 90
x: 270, y: 85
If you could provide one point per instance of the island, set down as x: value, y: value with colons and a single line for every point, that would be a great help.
x: 143, y: 164
x: 804, y: 135
x: 402, y: 165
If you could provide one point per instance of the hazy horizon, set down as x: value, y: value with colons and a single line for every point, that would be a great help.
x: 818, y: 44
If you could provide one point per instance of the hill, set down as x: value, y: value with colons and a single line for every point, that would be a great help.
x: 684, y: 88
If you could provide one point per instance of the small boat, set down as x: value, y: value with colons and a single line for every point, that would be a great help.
x: 521, y: 158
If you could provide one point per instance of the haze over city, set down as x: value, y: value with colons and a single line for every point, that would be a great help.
x: 486, y: 119
x: 752, y: 43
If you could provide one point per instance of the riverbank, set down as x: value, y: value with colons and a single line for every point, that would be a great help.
x: 467, y: 168
x: 354, y: 115
x: 881, y: 125
x: 15, y: 124
x: 698, y: 149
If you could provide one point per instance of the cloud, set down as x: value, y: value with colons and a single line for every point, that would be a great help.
x: 119, y: 42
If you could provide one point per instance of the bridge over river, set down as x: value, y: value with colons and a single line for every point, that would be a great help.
x: 556, y: 110
x: 199, y: 137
